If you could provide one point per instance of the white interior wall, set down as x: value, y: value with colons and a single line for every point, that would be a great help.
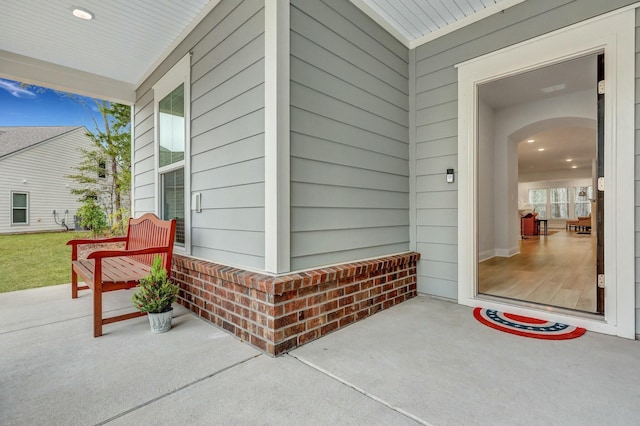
x: 513, y: 124
x: 486, y: 208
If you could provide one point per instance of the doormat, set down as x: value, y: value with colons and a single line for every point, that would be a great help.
x: 527, y: 327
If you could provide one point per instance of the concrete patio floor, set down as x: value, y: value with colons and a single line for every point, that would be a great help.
x: 425, y: 361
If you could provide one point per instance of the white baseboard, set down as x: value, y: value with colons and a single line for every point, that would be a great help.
x: 507, y: 252
x: 486, y: 255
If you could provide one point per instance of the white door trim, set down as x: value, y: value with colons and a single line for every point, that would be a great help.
x: 615, y: 34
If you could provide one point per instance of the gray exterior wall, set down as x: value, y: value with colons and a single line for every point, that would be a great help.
x: 227, y: 134
x: 637, y: 175
x: 349, y: 136
x: 436, y: 121
x: 46, y: 184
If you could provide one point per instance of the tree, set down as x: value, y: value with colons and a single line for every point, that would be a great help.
x: 113, y: 152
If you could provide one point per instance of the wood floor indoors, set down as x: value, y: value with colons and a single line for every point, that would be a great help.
x: 557, y: 270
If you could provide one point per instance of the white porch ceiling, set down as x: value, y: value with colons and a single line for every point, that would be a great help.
x: 41, y: 42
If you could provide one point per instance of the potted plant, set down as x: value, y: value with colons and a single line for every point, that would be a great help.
x: 156, y: 292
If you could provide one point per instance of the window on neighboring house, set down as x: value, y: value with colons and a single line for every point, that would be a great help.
x: 538, y: 199
x: 583, y: 196
x: 172, y: 133
x: 559, y: 201
x: 102, y: 169
x: 19, y: 208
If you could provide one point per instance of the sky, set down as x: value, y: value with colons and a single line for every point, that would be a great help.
x: 39, y: 106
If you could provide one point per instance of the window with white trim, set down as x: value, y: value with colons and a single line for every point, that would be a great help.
x: 19, y: 208
x: 171, y: 111
x: 538, y: 199
x: 559, y: 201
x: 583, y: 196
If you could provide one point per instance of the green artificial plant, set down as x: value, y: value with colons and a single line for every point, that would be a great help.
x: 156, y: 292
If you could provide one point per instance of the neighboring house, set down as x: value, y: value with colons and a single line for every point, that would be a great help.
x: 303, y: 148
x: 34, y: 163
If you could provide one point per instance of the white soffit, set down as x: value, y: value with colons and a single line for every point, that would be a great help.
x: 124, y: 40
x: 415, y: 22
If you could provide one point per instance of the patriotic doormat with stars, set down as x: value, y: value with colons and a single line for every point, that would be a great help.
x: 525, y: 326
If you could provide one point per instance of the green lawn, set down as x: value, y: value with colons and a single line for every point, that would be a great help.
x: 35, y: 260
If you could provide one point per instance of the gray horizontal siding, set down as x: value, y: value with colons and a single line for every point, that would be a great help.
x: 349, y: 136
x: 637, y: 171
x: 436, y: 120
x: 143, y: 179
x: 45, y: 168
x: 227, y: 133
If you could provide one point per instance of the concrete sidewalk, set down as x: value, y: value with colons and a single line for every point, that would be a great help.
x: 425, y: 361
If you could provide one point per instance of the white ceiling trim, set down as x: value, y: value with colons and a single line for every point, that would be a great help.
x: 371, y: 13
x: 484, y: 13
x: 412, y: 44
x: 205, y: 11
x: 58, y: 77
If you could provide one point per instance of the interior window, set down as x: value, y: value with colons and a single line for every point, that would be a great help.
x: 559, y: 198
x: 538, y: 199
x: 583, y: 196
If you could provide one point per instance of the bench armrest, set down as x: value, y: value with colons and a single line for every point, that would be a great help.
x: 96, y: 241
x: 123, y: 253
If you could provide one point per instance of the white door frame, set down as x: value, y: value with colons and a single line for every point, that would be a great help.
x: 613, y: 33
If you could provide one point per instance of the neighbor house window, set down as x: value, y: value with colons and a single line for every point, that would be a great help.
x: 538, y: 199
x: 102, y: 169
x: 583, y: 196
x: 19, y: 208
x: 172, y: 136
x: 559, y: 201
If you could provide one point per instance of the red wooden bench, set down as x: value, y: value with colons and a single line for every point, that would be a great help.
x: 119, y: 269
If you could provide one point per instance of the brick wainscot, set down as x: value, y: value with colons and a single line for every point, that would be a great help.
x: 279, y: 313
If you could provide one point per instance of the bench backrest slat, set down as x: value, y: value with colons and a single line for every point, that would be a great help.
x: 150, y: 231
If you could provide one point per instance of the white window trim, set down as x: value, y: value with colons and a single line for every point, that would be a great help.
x: 179, y: 74
x: 12, y: 208
x: 615, y: 34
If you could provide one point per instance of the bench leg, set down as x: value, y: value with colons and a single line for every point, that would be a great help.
x: 74, y: 284
x: 97, y: 313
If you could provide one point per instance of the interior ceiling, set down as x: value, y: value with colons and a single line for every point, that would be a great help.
x: 128, y: 38
x: 562, y: 142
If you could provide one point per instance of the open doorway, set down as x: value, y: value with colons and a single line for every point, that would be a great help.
x: 537, y: 204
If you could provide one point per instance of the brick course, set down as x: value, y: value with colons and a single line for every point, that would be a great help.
x: 279, y: 313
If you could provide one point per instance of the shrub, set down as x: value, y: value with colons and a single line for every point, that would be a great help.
x: 92, y: 217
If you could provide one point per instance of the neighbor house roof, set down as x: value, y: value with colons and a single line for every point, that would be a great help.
x: 14, y: 139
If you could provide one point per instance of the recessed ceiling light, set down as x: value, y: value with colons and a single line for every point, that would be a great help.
x: 540, y: 149
x: 569, y: 160
x: 82, y: 13
x: 531, y: 140
x: 574, y: 167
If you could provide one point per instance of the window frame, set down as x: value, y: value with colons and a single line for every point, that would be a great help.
x: 566, y: 203
x: 26, y: 209
x: 535, y: 205
x: 576, y: 189
x: 179, y: 74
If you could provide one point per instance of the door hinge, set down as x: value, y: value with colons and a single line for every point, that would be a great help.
x: 600, y: 87
x: 601, y: 184
x: 600, y: 280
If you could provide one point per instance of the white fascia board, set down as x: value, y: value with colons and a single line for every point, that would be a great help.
x: 41, y: 73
